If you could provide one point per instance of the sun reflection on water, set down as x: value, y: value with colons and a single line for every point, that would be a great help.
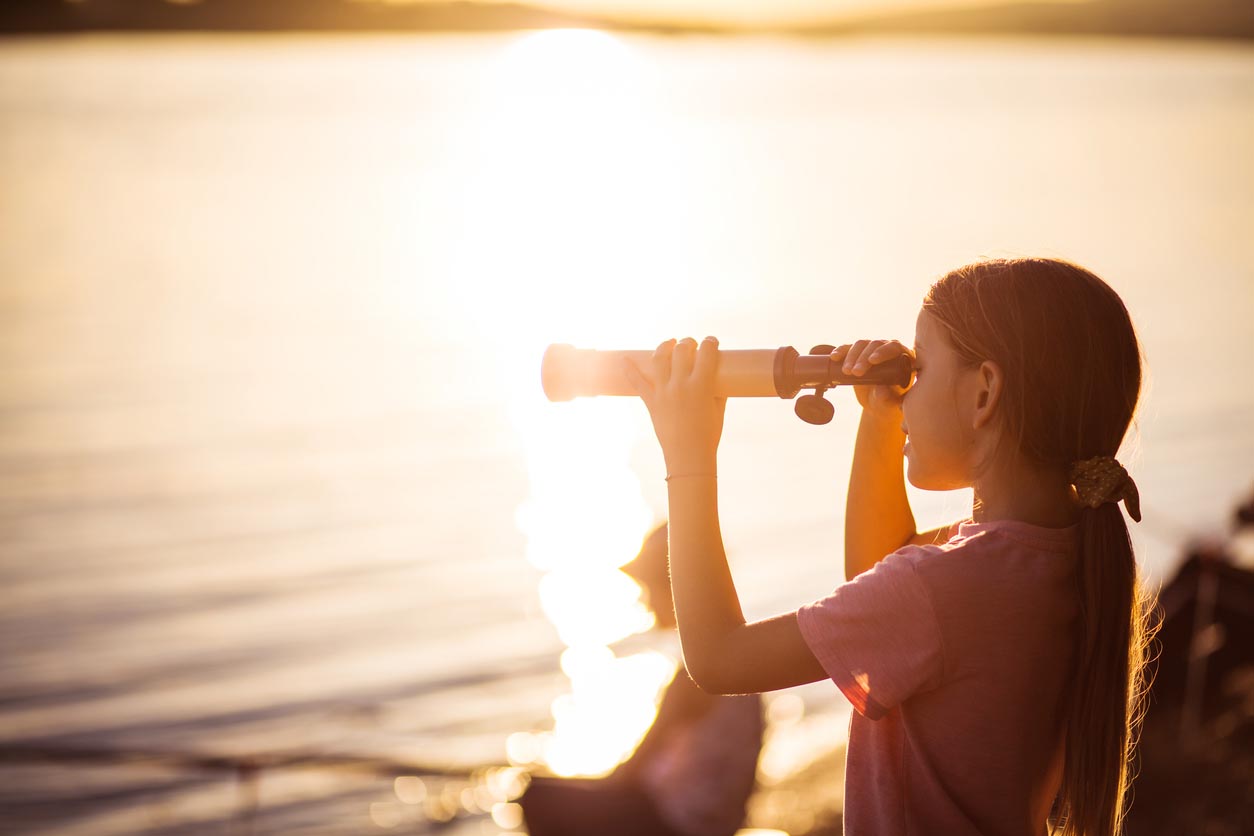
x: 584, y: 518
x: 563, y: 240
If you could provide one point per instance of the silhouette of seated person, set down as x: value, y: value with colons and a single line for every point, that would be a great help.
x: 693, y: 772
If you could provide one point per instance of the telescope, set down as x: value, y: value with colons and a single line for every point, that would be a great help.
x: 567, y: 372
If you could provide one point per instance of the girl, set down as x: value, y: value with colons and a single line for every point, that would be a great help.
x: 995, y: 664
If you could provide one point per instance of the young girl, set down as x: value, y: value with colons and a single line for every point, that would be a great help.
x: 995, y: 664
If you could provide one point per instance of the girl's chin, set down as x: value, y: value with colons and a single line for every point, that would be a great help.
x: 916, y: 474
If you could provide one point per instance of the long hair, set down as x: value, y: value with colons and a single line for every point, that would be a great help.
x: 1072, y: 368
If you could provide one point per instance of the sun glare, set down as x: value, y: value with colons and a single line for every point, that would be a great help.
x: 563, y: 224
x: 584, y: 517
x: 568, y: 231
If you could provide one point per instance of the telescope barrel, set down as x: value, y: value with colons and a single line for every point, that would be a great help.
x: 567, y: 372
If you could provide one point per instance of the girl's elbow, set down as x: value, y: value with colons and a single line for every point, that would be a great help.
x: 709, y: 660
x: 710, y: 678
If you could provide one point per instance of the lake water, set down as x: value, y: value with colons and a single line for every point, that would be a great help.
x: 276, y: 475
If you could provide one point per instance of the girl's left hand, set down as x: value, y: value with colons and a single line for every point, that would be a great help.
x: 678, y: 390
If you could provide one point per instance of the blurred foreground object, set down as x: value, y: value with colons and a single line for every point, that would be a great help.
x: 1197, y: 745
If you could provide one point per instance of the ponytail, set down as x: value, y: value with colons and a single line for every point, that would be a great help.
x: 1107, y: 698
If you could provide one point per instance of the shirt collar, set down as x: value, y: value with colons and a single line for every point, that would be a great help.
x: 1022, y: 531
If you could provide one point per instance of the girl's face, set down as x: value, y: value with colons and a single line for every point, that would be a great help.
x: 938, y: 411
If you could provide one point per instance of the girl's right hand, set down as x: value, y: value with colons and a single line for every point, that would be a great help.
x: 855, y: 359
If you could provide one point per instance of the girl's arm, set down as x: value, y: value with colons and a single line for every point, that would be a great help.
x: 722, y: 653
x: 878, y: 519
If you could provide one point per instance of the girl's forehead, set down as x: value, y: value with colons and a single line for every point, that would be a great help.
x: 931, y: 335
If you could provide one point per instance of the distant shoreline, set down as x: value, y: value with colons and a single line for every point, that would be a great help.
x: 1204, y: 19
x: 52, y: 36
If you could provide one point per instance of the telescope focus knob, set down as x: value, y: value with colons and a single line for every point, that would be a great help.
x: 816, y: 409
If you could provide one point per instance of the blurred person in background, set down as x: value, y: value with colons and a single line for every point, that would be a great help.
x: 693, y: 772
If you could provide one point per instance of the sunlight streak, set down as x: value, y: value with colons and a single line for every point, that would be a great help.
x: 585, y: 517
x: 561, y: 239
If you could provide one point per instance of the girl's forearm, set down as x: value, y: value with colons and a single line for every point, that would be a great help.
x: 878, y: 519
x: 706, y: 605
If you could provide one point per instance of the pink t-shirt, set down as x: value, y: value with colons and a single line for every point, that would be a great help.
x: 955, y: 658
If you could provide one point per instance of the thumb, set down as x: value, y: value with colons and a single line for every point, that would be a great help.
x: 638, y: 382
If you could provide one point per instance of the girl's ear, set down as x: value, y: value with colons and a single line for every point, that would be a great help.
x: 990, y: 382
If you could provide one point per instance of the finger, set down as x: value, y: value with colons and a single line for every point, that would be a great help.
x: 854, y: 355
x: 839, y: 352
x: 642, y: 385
x: 684, y: 358
x: 662, y: 363
x: 887, y: 350
x: 707, y: 361
x: 891, y: 350
x: 875, y: 351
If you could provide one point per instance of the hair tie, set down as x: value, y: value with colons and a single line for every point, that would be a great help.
x: 1102, y: 479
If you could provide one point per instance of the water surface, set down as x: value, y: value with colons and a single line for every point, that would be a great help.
x: 275, y: 470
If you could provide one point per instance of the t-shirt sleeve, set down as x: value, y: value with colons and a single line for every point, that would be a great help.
x: 877, y: 636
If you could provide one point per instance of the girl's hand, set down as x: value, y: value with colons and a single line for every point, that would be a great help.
x: 857, y: 358
x: 678, y: 390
